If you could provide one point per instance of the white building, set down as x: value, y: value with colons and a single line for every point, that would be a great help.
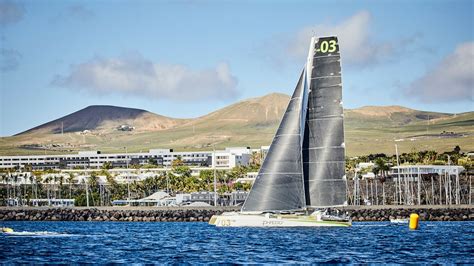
x: 231, y: 157
x: 228, y: 158
x: 413, y: 171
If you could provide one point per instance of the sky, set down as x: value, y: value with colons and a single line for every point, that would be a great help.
x: 187, y: 58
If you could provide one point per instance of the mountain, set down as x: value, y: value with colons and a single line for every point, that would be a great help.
x: 106, y: 118
x: 267, y: 109
x: 251, y: 122
x: 389, y: 115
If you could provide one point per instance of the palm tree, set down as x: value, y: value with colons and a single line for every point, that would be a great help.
x: 207, y: 178
x: 3, y: 179
x: 256, y: 160
x: 381, y: 167
x: 47, y: 180
x: 430, y: 156
x: 148, y: 185
x: 31, y: 179
x: 61, y: 181
x: 177, y: 162
x: 93, y: 181
x: 70, y: 180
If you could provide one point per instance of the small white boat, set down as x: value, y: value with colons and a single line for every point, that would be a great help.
x: 399, y: 221
x: 7, y: 230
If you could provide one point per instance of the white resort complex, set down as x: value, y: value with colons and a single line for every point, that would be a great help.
x: 223, y: 159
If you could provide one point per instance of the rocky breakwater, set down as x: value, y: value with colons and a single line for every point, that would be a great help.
x: 357, y: 213
x: 426, y: 214
x: 73, y: 214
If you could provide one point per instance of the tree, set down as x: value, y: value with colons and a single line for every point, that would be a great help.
x: 351, y: 165
x: 47, y: 180
x: 429, y: 157
x: 256, y: 160
x: 70, y: 180
x: 466, y: 162
x: 177, y: 162
x: 93, y: 181
x: 457, y: 149
x: 207, y: 179
x: 382, y: 167
x: 61, y: 181
x: 153, y: 161
x: 107, y: 165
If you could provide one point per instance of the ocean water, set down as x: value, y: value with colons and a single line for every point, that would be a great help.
x: 123, y: 242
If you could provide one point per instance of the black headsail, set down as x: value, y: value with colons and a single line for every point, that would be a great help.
x: 279, y: 184
x: 323, y: 144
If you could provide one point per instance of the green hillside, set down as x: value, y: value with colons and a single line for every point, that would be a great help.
x: 252, y: 122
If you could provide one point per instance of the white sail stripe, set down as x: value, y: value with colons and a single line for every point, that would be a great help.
x: 323, y: 77
x: 326, y: 180
x: 281, y: 173
x: 329, y: 86
x: 287, y: 135
x: 325, y: 118
x: 323, y: 147
x: 320, y: 162
x: 327, y: 56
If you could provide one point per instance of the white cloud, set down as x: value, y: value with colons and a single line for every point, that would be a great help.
x: 357, y: 45
x: 10, y: 12
x: 137, y: 76
x: 451, y: 80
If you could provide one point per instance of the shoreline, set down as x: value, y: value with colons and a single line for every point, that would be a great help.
x: 203, y: 214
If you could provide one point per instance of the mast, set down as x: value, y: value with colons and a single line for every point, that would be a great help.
x: 323, y: 143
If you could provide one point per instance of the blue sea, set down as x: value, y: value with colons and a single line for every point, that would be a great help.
x: 134, y: 242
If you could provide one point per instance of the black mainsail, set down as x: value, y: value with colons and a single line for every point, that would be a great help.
x: 323, y: 144
x: 305, y: 164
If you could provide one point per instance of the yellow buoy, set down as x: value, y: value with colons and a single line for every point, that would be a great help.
x: 7, y: 230
x: 414, y: 218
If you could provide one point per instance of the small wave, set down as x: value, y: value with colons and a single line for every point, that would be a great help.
x: 38, y: 234
x: 368, y: 225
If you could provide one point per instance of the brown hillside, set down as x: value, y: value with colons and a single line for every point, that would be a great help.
x: 106, y: 118
x: 381, y: 110
x: 267, y: 109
